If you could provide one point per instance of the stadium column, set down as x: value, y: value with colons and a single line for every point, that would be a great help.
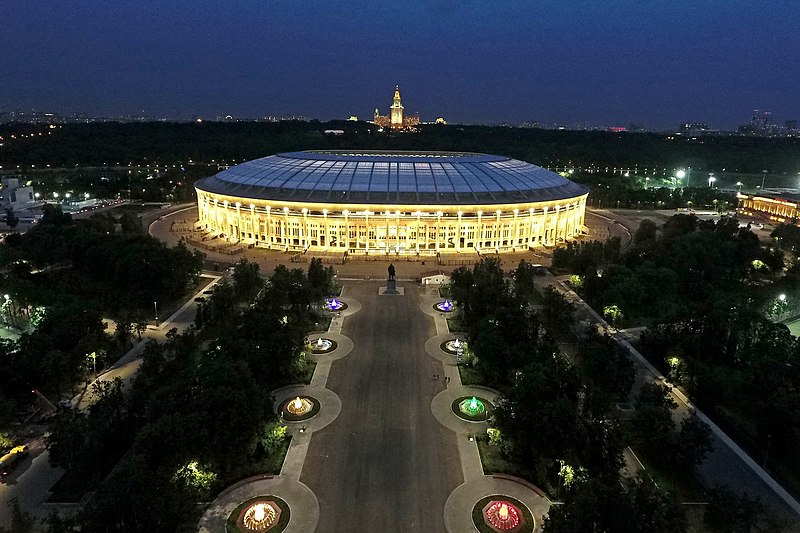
x: 285, y: 228
x: 458, y: 234
x: 438, y: 229
x: 238, y: 221
x: 254, y: 226
x: 269, y: 227
x: 497, y: 229
x: 346, y: 230
x: 531, y: 235
x: 397, y: 230
x: 327, y: 228
x: 479, y: 232
x: 419, y: 213
x: 545, y: 223
x: 305, y: 241
x: 516, y: 229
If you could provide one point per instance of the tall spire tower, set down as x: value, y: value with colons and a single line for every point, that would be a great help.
x: 397, y: 110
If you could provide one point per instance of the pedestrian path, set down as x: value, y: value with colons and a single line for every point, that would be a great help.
x: 477, y: 485
x: 302, y: 502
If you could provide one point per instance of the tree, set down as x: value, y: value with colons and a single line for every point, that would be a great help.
x: 652, y: 423
x: 524, y: 276
x: 11, y: 220
x: 557, y: 313
x: 633, y: 506
x: 693, y: 441
x: 645, y: 234
x: 130, y: 222
x: 731, y: 512
x: 320, y: 279
x: 246, y: 280
x: 52, y: 214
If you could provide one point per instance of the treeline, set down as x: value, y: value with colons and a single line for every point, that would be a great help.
x: 110, y: 143
x: 557, y: 421
x: 199, y: 415
x: 710, y: 293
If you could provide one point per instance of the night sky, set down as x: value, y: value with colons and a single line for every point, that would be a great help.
x: 603, y: 62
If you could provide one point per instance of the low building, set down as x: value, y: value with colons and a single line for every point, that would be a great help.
x: 435, y: 277
x: 15, y: 196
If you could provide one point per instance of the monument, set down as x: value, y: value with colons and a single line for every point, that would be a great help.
x: 391, y: 283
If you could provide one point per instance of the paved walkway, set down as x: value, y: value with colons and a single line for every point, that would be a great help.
x: 459, y: 505
x: 728, y: 463
x: 301, y: 500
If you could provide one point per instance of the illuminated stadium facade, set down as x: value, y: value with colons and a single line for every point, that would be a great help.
x: 423, y: 203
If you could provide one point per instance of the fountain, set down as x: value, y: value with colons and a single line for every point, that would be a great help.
x: 445, y: 306
x: 321, y: 345
x: 335, y: 305
x: 502, y: 516
x: 455, y: 346
x: 299, y: 406
x: 260, y: 516
x: 472, y: 407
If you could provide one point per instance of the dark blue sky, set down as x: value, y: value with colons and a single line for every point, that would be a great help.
x: 603, y: 62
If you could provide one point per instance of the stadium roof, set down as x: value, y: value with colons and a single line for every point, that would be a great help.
x: 366, y: 177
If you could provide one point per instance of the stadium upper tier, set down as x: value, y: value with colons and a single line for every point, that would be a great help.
x: 409, y: 178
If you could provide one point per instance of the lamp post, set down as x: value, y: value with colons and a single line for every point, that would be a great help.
x: 711, y: 180
x: 739, y: 184
x: 763, y: 178
x: 155, y: 306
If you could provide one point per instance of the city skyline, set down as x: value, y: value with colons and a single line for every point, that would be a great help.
x: 508, y: 63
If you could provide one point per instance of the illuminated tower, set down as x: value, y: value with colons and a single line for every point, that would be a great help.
x: 397, y: 110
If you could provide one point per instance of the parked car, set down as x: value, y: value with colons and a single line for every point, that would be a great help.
x: 199, y: 299
x: 12, y: 459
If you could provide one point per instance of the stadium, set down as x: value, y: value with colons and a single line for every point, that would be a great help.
x: 405, y: 203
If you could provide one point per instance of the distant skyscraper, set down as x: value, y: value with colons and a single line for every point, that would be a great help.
x: 761, y: 121
x: 396, y: 119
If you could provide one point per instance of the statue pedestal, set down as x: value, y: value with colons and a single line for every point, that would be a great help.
x: 391, y: 288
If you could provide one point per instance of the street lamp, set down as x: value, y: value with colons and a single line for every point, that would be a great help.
x: 739, y: 184
x: 782, y: 297
x: 763, y: 178
x: 711, y: 180
x: 155, y: 306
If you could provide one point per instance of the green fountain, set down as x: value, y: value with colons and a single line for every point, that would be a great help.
x: 472, y: 407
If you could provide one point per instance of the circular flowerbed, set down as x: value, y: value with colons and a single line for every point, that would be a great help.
x: 472, y: 408
x: 526, y: 523
x: 326, y: 346
x: 299, y: 408
x: 453, y: 345
x: 258, y: 512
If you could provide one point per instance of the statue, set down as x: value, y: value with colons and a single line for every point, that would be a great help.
x: 391, y: 271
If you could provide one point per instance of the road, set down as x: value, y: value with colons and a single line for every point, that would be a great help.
x: 385, y: 464
x: 32, y: 480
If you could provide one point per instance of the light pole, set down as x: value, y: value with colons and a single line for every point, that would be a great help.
x: 763, y: 178
x: 739, y: 184
x: 711, y: 180
x: 155, y: 306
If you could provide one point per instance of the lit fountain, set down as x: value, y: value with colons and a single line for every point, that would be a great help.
x: 445, y: 306
x: 334, y: 304
x: 455, y: 345
x: 502, y: 516
x: 321, y: 345
x: 299, y: 406
x: 260, y: 516
x: 472, y: 407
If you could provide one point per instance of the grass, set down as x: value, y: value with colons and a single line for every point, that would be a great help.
x: 470, y: 376
x: 305, y: 375
x: 322, y: 323
x: 445, y: 292
x: 455, y: 325
x: 289, y: 417
x: 487, y: 414
x: 493, y: 460
x: 232, y: 527
x: 480, y: 525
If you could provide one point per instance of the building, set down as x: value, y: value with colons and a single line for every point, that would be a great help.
x: 434, y: 277
x: 396, y: 119
x: 776, y: 207
x: 15, y: 197
x: 409, y: 203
